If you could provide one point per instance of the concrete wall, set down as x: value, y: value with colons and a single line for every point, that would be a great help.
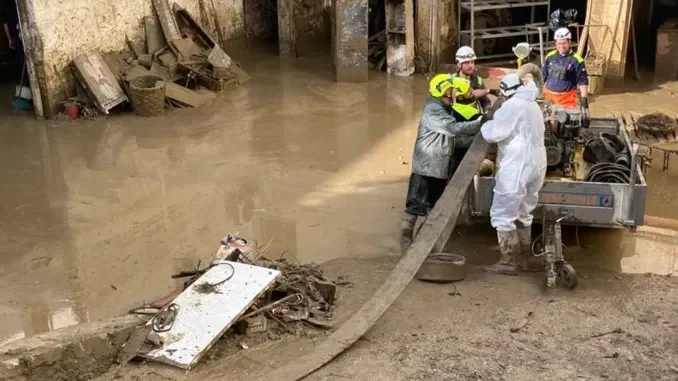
x: 437, y: 47
x: 67, y: 28
x: 349, y: 40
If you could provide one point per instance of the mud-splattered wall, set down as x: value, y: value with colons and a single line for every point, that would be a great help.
x: 67, y: 28
x: 349, y: 40
x: 304, y: 26
x: 435, y: 33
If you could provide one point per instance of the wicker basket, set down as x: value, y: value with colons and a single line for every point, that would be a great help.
x: 595, y: 63
x: 148, y: 95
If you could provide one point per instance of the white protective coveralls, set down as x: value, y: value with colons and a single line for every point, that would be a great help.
x: 518, y: 130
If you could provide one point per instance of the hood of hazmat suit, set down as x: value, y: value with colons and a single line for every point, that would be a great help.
x: 518, y: 129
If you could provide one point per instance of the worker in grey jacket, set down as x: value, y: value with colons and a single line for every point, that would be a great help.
x: 434, y: 162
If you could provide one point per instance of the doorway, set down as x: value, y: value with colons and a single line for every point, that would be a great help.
x: 261, y: 24
x: 15, y: 89
x: 648, y: 18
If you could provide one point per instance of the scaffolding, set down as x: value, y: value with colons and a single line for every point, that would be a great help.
x: 538, y: 29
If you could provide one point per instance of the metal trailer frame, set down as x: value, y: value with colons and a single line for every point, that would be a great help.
x: 576, y: 203
x: 584, y: 203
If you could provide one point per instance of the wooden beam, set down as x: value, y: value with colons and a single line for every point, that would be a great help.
x: 585, y: 31
x: 32, y: 43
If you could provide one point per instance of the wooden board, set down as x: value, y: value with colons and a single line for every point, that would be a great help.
x: 184, y: 95
x: 98, y: 80
x: 436, y: 229
x: 155, y: 40
x: 205, y: 313
x: 187, y: 19
x: 167, y: 21
x: 188, y: 49
x: 219, y: 58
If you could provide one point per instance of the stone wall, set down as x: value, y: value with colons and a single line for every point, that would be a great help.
x: 65, y: 29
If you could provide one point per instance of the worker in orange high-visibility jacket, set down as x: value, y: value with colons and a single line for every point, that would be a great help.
x: 564, y: 73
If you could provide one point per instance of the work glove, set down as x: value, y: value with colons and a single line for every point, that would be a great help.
x: 585, y: 102
x: 495, y: 92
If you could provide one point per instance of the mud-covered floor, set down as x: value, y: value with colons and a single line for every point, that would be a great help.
x: 613, y: 327
x: 96, y: 215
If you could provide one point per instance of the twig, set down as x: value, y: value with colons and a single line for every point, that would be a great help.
x: 586, y: 312
x: 277, y: 320
x: 271, y: 306
x: 454, y: 292
x: 159, y: 375
x: 614, y: 331
x: 523, y: 323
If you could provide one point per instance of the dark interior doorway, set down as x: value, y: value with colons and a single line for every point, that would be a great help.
x: 377, y: 35
x: 648, y: 18
x: 12, y: 64
x: 261, y: 23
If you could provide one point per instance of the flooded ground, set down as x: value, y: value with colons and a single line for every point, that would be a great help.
x: 97, y: 215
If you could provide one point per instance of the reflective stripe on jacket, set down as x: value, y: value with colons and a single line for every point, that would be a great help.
x: 563, y: 73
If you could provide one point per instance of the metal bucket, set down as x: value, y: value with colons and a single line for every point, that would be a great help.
x: 443, y: 268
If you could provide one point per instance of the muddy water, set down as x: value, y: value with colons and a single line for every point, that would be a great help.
x: 96, y: 216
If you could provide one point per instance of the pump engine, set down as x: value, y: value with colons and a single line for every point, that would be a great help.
x: 562, y: 134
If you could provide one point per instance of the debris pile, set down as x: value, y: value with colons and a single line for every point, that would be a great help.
x: 301, y: 294
x: 657, y: 125
x: 185, y: 63
x: 241, y: 290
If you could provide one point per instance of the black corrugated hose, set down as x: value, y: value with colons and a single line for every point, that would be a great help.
x: 609, y: 173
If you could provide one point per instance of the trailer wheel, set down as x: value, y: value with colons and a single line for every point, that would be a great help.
x: 568, y: 275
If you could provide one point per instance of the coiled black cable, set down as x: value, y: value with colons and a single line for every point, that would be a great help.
x: 609, y: 173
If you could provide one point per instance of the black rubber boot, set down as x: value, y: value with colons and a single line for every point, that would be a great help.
x: 406, y: 231
x: 509, y: 249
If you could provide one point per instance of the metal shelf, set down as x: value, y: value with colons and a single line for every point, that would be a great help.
x: 482, y: 5
x: 507, y: 31
x: 528, y: 30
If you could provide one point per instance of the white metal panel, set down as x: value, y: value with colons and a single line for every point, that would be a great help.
x: 204, y: 316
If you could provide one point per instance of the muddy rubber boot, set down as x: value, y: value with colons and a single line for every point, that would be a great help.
x: 527, y: 262
x: 406, y: 231
x: 509, y: 250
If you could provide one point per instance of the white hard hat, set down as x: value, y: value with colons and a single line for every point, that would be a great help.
x: 510, y: 84
x: 563, y: 34
x: 465, y: 54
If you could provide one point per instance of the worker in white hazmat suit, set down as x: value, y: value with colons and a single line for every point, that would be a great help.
x: 518, y: 130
